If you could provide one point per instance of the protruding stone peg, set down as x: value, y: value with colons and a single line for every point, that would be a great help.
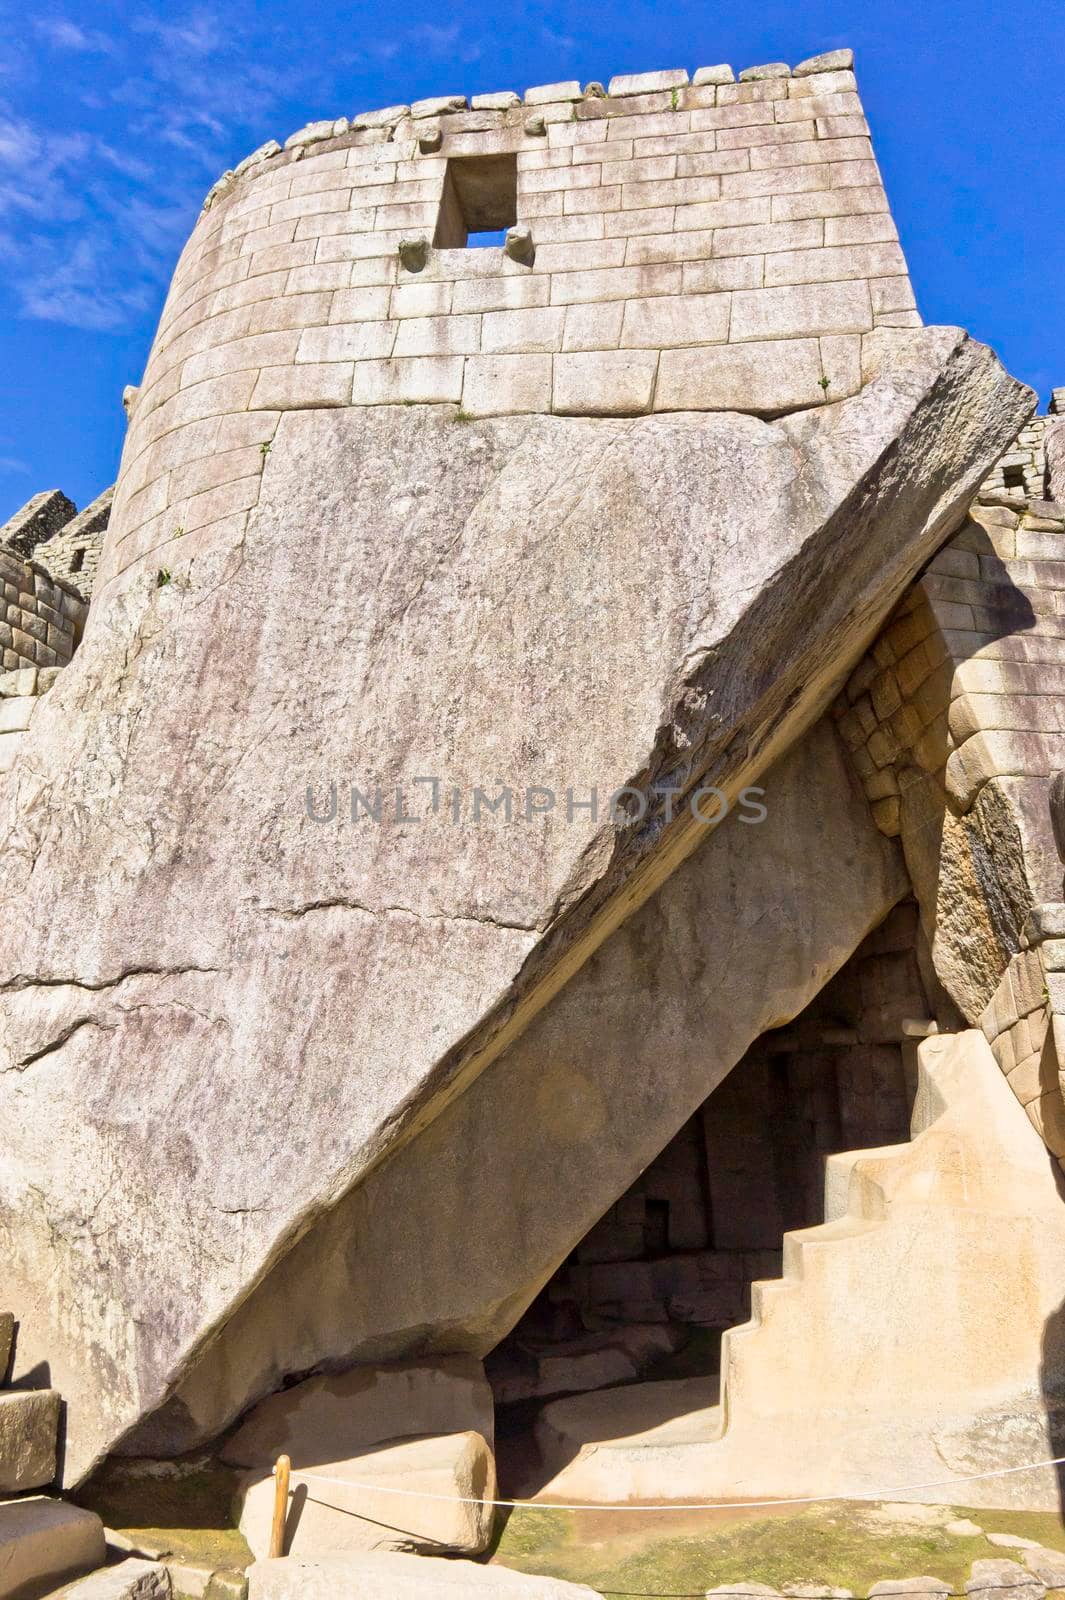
x: 414, y: 252
x: 535, y: 125
x: 430, y: 139
x: 518, y: 244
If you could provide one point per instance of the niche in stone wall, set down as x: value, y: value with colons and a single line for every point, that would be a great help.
x: 479, y: 201
x: 649, y: 1290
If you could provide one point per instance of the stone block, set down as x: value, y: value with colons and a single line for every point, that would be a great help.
x: 617, y: 283
x: 502, y: 100
x: 828, y: 61
x: 992, y: 1578
x: 501, y: 294
x: 783, y: 313
x: 546, y: 93
x: 576, y: 227
x: 15, y: 713
x: 758, y: 377
x: 773, y: 236
x: 841, y: 363
x: 1000, y: 754
x: 604, y: 383
x: 438, y: 336
x: 417, y: 379
x: 44, y: 1543
x: 761, y: 136
x: 668, y: 321
x: 654, y: 221
x: 713, y: 119
x: 722, y: 73
x: 724, y: 213
x: 503, y: 385
x: 693, y: 162
x: 132, y: 1579
x: 400, y: 1577
x: 865, y: 228
x: 772, y: 69
x: 593, y: 327
x: 454, y: 1472
x: 421, y: 299
x: 779, y: 154
x: 311, y: 384
x: 647, y: 82
x: 356, y: 341
x: 21, y: 684
x: 535, y: 330
x: 828, y: 203
x: 729, y: 272
x: 833, y: 264
x: 1046, y: 1565
x: 746, y: 185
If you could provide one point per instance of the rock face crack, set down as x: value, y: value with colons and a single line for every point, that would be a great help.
x: 59, y: 1041
x: 29, y: 981
x: 294, y: 913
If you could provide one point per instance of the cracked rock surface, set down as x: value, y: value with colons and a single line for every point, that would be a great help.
x: 218, y: 1014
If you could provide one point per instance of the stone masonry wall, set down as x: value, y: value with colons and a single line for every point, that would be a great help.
x: 697, y: 245
x: 956, y: 725
x: 41, y: 617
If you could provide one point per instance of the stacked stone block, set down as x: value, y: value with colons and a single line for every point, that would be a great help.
x: 687, y: 246
x: 41, y: 617
x: 967, y: 684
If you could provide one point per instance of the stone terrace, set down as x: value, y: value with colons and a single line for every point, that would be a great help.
x: 676, y: 245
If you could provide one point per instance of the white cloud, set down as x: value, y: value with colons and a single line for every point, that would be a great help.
x: 66, y: 35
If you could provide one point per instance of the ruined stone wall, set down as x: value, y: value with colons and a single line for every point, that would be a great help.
x: 682, y: 245
x: 73, y: 551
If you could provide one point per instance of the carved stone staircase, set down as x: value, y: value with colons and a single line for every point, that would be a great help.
x: 915, y: 1319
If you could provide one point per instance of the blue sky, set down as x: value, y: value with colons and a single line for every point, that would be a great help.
x: 115, y: 120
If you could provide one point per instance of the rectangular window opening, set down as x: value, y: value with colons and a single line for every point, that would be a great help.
x: 479, y: 202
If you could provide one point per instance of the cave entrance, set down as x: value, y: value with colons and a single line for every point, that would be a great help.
x: 649, y: 1290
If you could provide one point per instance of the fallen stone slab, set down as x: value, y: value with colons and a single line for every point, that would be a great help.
x: 1046, y: 1565
x: 400, y: 1577
x: 330, y: 1418
x: 991, y: 1578
x: 128, y: 1580
x: 44, y: 1543
x: 270, y: 1004
x: 417, y: 1494
x: 29, y: 1422
x: 1012, y: 1541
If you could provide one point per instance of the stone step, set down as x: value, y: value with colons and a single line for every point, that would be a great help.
x: 400, y: 1577
x: 127, y: 1580
x: 44, y: 1543
x: 29, y: 1423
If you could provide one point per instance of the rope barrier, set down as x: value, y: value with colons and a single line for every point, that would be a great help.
x: 709, y: 1505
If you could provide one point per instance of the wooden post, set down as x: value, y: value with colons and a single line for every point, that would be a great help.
x: 277, y: 1530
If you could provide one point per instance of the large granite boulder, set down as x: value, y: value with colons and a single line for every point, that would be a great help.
x: 445, y: 1243
x: 219, y: 1014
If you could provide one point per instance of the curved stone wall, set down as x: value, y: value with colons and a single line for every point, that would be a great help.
x: 710, y: 245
